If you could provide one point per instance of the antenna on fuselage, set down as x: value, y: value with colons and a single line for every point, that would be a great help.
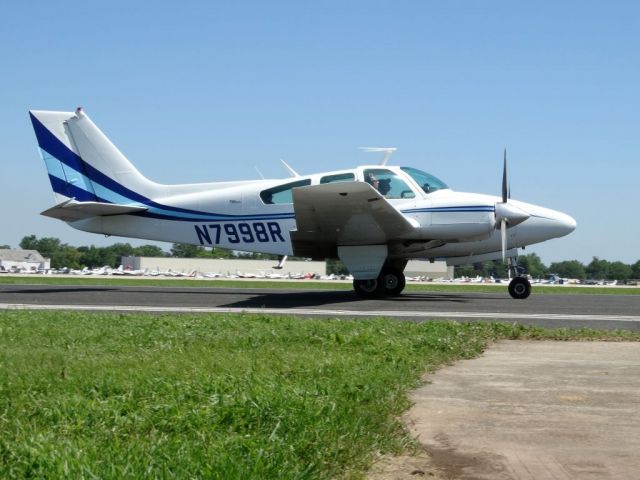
x: 387, y: 152
x: 291, y: 171
x: 259, y: 172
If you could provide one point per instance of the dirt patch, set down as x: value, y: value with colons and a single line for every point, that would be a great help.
x: 406, y: 467
x: 441, y: 461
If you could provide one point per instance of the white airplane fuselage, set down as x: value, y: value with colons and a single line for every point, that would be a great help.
x: 254, y: 227
x: 349, y: 213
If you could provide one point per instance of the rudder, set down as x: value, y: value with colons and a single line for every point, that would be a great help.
x: 83, y: 164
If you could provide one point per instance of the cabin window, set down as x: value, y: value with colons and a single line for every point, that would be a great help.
x: 282, y: 193
x: 338, y: 177
x: 427, y: 182
x: 388, y: 183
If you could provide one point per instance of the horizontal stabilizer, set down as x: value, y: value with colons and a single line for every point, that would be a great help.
x: 72, y: 210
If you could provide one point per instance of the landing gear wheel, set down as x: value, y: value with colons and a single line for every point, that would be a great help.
x: 369, y: 288
x: 394, y: 282
x: 519, y: 288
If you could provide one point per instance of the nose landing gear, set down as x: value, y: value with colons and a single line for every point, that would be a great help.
x: 519, y: 286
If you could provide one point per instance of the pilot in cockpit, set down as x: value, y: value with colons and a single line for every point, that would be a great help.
x: 372, y: 180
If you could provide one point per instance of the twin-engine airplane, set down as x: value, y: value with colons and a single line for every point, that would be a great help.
x: 373, y: 218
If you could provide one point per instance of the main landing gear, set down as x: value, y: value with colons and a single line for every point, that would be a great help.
x: 519, y: 286
x: 389, y: 283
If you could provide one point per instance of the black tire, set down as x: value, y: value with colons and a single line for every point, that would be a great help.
x: 519, y: 288
x: 394, y: 282
x: 369, y: 288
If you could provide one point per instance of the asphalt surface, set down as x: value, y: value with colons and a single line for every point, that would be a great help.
x: 547, y: 310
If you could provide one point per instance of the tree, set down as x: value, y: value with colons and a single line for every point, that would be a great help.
x: 185, y: 250
x: 569, y: 269
x: 5, y: 247
x: 494, y: 268
x: 47, y: 246
x: 336, y: 267
x: 149, y: 251
x: 598, y: 269
x: 93, y: 257
x: 66, y: 256
x: 61, y: 254
x: 635, y: 269
x: 619, y: 271
x: 532, y: 265
x: 30, y: 242
x: 464, y: 271
x: 220, y: 253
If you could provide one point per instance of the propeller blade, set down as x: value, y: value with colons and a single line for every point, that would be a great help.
x: 503, y: 234
x: 505, y: 187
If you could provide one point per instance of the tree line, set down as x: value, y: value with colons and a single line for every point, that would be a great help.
x: 597, y: 269
x: 65, y: 255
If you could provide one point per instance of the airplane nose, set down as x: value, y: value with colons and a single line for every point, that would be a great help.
x: 556, y: 224
x: 544, y: 223
x: 566, y: 224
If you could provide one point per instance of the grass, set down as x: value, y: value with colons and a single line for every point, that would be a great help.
x: 217, y: 396
x: 299, y: 284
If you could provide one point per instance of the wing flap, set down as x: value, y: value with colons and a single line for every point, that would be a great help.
x: 72, y: 210
x: 349, y: 213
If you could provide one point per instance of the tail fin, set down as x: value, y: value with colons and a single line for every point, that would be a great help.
x: 83, y: 164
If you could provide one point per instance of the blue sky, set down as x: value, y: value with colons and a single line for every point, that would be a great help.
x: 208, y: 90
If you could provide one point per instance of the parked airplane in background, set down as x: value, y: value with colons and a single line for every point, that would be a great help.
x: 374, y: 218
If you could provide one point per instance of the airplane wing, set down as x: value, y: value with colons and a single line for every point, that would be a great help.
x: 72, y: 210
x: 341, y: 214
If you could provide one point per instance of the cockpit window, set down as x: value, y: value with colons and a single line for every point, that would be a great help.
x: 388, y: 183
x: 427, y: 182
x: 339, y: 177
x: 282, y: 193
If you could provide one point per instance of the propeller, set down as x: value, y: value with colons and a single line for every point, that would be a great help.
x: 505, y: 183
x: 507, y: 214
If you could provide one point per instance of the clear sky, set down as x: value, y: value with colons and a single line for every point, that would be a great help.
x: 204, y: 91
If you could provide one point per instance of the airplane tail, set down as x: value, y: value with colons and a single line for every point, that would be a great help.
x: 87, y: 172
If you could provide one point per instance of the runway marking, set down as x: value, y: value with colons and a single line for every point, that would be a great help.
x: 311, y: 311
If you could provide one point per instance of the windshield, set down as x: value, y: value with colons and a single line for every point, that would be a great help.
x: 427, y: 182
x: 389, y: 184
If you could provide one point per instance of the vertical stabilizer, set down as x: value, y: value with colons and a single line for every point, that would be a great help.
x: 83, y: 164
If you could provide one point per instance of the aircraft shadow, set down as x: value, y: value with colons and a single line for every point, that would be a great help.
x: 294, y: 300
x: 313, y: 299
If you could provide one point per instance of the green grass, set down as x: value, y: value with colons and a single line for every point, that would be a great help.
x: 217, y: 396
x: 299, y: 284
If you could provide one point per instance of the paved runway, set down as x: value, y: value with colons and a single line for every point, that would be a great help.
x: 595, y: 311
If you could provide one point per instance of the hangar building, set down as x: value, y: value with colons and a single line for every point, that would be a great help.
x: 233, y: 266
x: 223, y: 266
x: 22, y: 261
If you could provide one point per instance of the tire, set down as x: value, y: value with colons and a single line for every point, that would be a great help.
x: 519, y: 288
x: 369, y: 288
x: 394, y: 282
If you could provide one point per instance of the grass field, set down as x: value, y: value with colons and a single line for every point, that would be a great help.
x: 301, y: 284
x: 217, y: 396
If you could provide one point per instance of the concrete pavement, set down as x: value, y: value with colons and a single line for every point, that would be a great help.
x: 530, y: 410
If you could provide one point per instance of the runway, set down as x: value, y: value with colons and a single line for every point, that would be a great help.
x: 553, y: 311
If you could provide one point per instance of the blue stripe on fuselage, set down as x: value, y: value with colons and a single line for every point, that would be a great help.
x: 466, y: 208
